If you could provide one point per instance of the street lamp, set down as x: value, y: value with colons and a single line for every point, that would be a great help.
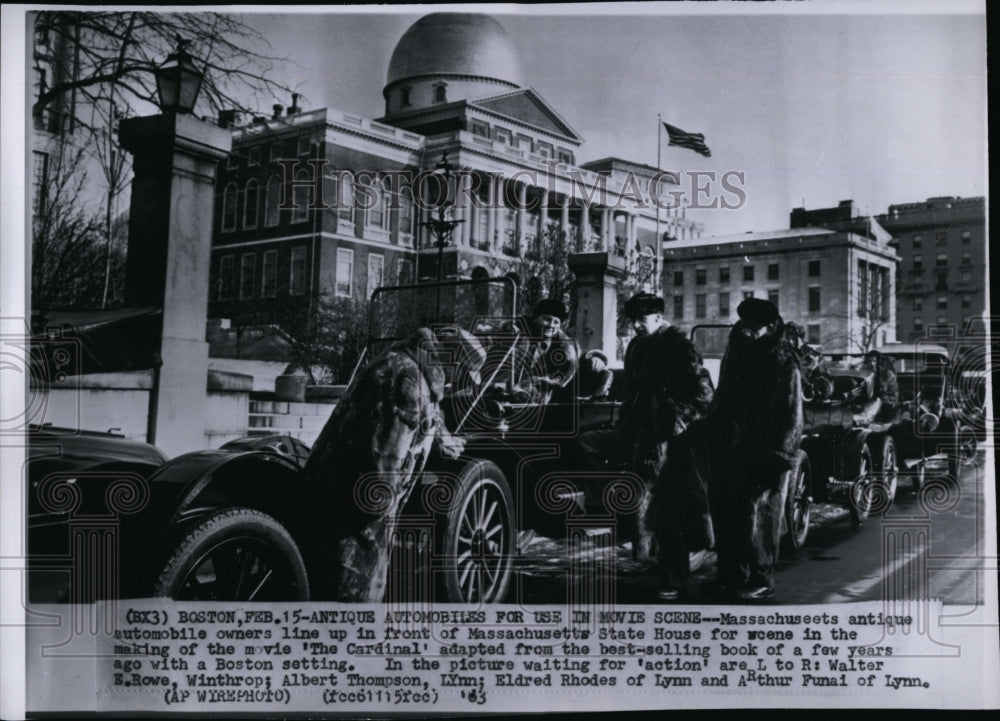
x: 178, y: 80
x: 442, y: 226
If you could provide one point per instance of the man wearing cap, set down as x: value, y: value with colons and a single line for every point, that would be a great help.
x: 754, y: 430
x: 547, y: 359
x: 371, y: 450
x: 665, y: 387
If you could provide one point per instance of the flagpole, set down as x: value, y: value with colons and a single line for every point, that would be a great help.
x: 658, y: 261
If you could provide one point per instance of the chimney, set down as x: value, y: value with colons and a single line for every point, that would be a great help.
x: 278, y: 107
x: 294, y: 108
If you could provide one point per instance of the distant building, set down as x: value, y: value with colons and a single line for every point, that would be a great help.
x: 324, y: 200
x: 942, y: 270
x: 837, y: 284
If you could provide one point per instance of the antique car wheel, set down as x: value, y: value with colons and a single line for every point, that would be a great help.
x: 237, y: 554
x: 798, y: 503
x: 477, y: 536
x: 887, y: 468
x: 863, y: 488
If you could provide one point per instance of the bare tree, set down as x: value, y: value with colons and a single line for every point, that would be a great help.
x: 106, y: 59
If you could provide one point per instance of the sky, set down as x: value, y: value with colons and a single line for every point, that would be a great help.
x: 816, y: 102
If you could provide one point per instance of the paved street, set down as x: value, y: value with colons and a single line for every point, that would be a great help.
x: 938, y: 529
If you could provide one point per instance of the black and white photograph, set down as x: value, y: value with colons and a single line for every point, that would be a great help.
x: 465, y: 359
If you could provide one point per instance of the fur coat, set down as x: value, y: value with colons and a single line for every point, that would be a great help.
x: 366, y: 460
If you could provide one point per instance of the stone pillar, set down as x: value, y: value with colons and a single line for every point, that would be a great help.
x: 543, y: 216
x: 169, y: 253
x: 564, y: 217
x: 597, y: 277
x: 501, y: 213
x: 465, y: 206
x: 522, y: 216
x: 491, y: 214
x: 607, y: 229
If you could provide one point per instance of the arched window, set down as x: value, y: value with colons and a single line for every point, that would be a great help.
x: 251, y: 201
x: 272, y: 202
x: 377, y: 209
x: 302, y: 195
x: 405, y: 210
x: 229, y: 208
x: 441, y: 93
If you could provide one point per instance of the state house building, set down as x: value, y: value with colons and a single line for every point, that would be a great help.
x: 321, y: 200
x: 833, y: 272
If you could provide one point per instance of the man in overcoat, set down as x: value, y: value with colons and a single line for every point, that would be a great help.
x: 371, y: 451
x: 754, y: 431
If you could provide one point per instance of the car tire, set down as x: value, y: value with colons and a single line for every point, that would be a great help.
x: 798, y: 504
x: 475, y: 539
x: 236, y: 554
x: 861, y: 494
x: 886, y: 465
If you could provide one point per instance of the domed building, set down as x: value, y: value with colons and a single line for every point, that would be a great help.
x: 323, y: 201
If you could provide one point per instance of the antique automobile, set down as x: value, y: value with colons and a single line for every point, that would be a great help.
x: 936, y: 430
x: 242, y: 523
x: 79, y: 483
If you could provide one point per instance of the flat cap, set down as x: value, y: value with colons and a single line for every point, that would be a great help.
x: 757, y: 312
x: 550, y: 306
x: 642, y: 304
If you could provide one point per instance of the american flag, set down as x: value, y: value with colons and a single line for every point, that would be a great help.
x: 691, y: 141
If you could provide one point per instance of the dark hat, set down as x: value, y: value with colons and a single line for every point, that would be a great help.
x: 757, y: 312
x: 595, y: 353
x: 550, y: 306
x: 642, y: 304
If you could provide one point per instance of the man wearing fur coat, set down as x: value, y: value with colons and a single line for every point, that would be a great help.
x: 371, y: 451
x: 754, y: 430
x: 666, y: 387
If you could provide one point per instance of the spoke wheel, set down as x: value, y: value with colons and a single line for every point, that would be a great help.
x: 238, y: 554
x: 887, y: 466
x: 478, y: 537
x: 798, y: 503
x: 862, y: 495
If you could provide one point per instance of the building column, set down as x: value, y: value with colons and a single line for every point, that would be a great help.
x: 501, y: 213
x: 522, y: 216
x: 543, y: 215
x: 464, y: 187
x: 597, y: 278
x: 607, y: 229
x: 491, y: 218
x: 564, y: 218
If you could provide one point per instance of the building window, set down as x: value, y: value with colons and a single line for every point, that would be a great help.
x: 272, y: 202
x: 328, y: 190
x: 700, y: 276
x: 441, y: 93
x: 376, y: 210
x: 678, y: 277
x: 942, y: 302
x: 918, y: 303
x: 862, y: 288
x: 303, y: 145
x: 345, y: 204
x: 772, y: 295
x: 724, y: 274
x: 404, y: 271
x: 40, y: 182
x: 940, y: 237
x: 404, y: 96
x: 918, y: 262
x: 747, y: 273
x: 406, y: 211
x: 226, y: 265
x: 723, y: 305
x: 502, y: 135
x: 480, y: 129
x: 248, y: 267
x: 251, y: 201
x: 918, y: 241
x: 942, y: 320
x: 564, y: 156
x: 269, y: 275
x: 229, y: 208
x: 918, y: 325
x: 941, y: 259
x: 699, y: 305
x: 812, y: 334
x: 966, y: 236
x: 232, y: 161
x: 544, y: 149
x: 376, y: 269
x: 297, y: 276
x: 966, y: 258
x: 773, y: 271
x: 678, y: 307
x: 275, y: 153
x: 302, y: 195
x: 966, y: 276
x: 941, y: 280
x: 966, y: 302
x: 253, y: 155
x: 815, y: 268
x: 345, y: 272
x: 814, y: 300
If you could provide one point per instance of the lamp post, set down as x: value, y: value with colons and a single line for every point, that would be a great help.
x: 442, y: 226
x: 178, y: 80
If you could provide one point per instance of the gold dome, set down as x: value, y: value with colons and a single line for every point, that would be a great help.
x: 456, y: 44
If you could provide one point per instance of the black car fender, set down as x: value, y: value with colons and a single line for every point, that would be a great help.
x: 851, y: 444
